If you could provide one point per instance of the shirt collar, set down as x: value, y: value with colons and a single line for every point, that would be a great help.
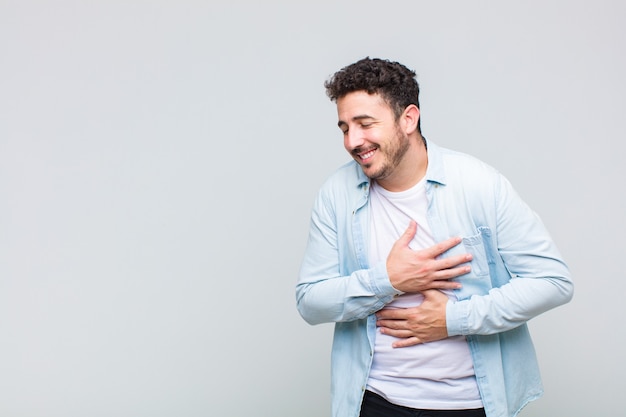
x: 435, y: 171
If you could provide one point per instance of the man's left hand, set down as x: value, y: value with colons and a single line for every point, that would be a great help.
x: 415, y: 325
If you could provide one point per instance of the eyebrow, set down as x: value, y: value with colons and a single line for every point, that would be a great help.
x: 355, y: 118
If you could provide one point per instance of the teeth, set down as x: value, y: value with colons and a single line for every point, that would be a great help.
x: 367, y: 155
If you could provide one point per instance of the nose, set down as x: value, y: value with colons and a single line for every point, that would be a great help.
x: 353, y: 139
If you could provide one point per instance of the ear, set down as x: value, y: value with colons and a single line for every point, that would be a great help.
x: 410, y: 117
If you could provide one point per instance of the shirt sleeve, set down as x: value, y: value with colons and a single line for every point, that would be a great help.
x: 529, y: 275
x: 323, y: 292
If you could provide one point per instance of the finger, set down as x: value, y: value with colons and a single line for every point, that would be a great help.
x: 387, y: 314
x: 445, y: 285
x: 400, y: 334
x: 395, y: 313
x: 411, y: 341
x: 443, y: 246
x: 452, y: 261
x: 446, y: 274
x: 387, y: 326
x: 408, y: 234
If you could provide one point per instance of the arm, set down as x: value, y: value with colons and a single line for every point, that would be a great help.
x: 536, y: 277
x: 327, y: 292
x: 528, y: 278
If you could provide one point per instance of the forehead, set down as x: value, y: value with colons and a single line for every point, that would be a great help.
x: 362, y: 103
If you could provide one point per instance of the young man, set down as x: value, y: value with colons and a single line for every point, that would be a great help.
x: 428, y: 262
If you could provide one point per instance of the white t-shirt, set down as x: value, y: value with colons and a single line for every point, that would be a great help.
x: 435, y: 375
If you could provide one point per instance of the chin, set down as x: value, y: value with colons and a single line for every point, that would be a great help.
x: 374, y: 175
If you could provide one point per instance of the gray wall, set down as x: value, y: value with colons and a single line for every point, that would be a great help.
x: 158, y: 160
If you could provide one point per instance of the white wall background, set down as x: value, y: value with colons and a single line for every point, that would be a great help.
x: 158, y: 160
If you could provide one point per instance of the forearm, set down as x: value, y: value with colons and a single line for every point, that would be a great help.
x: 507, y: 307
x: 343, y: 298
x: 527, y: 275
x: 337, y: 284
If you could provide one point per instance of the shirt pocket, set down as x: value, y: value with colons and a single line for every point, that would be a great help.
x: 475, y: 246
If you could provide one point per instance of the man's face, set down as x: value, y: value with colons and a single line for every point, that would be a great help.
x: 371, y: 134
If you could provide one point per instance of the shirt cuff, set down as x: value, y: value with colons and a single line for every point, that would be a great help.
x: 457, y: 314
x: 381, y: 284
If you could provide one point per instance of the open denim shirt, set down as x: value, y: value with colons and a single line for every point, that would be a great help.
x: 517, y: 273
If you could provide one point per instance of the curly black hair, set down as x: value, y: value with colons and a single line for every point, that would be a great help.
x: 395, y: 83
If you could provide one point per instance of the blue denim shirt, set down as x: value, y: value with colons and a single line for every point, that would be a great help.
x: 517, y: 273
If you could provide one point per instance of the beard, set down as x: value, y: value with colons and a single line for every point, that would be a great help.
x: 393, y: 153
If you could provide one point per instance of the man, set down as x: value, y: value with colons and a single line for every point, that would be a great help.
x: 428, y: 262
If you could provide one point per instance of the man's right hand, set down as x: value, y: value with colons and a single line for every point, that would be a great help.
x: 415, y: 271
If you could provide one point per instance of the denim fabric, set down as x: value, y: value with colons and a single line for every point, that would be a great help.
x: 517, y: 273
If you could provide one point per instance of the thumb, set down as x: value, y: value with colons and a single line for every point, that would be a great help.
x: 408, y: 234
x: 434, y: 295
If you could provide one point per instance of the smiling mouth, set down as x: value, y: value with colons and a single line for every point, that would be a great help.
x: 363, y: 156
